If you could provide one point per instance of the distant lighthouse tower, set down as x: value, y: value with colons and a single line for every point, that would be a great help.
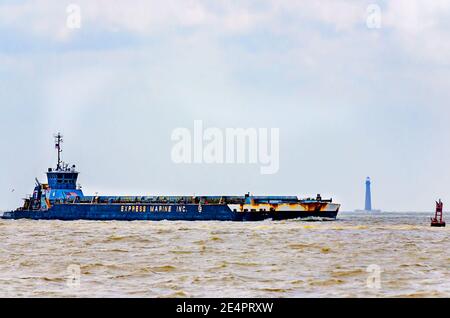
x: 368, y: 205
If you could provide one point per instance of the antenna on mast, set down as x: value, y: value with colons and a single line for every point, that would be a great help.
x: 58, y: 142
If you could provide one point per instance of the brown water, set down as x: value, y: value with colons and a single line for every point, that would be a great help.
x: 225, y: 259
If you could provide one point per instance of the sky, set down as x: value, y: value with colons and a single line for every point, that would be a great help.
x: 351, y: 98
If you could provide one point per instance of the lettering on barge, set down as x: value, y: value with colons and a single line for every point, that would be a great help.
x: 152, y: 208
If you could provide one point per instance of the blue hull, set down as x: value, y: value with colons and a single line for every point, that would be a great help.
x: 155, y: 212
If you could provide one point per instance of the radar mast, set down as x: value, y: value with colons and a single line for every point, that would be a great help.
x: 58, y: 142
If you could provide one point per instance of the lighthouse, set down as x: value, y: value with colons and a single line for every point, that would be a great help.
x: 368, y: 202
x: 368, y: 205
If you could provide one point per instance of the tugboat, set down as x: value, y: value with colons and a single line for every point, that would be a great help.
x: 61, y: 199
x: 437, y: 221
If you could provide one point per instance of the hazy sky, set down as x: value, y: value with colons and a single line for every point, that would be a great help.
x: 350, y: 101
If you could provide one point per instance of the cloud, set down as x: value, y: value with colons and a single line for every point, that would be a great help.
x: 47, y: 17
x: 420, y: 29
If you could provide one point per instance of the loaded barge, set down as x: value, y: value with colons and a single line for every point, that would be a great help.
x: 61, y: 199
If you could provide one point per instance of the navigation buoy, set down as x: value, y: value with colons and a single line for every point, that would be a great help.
x: 437, y: 220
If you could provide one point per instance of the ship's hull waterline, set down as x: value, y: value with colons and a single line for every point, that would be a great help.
x: 188, y: 212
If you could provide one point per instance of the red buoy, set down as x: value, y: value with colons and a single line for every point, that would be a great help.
x: 437, y: 220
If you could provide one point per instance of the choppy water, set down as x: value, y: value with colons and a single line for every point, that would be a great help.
x: 225, y: 259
